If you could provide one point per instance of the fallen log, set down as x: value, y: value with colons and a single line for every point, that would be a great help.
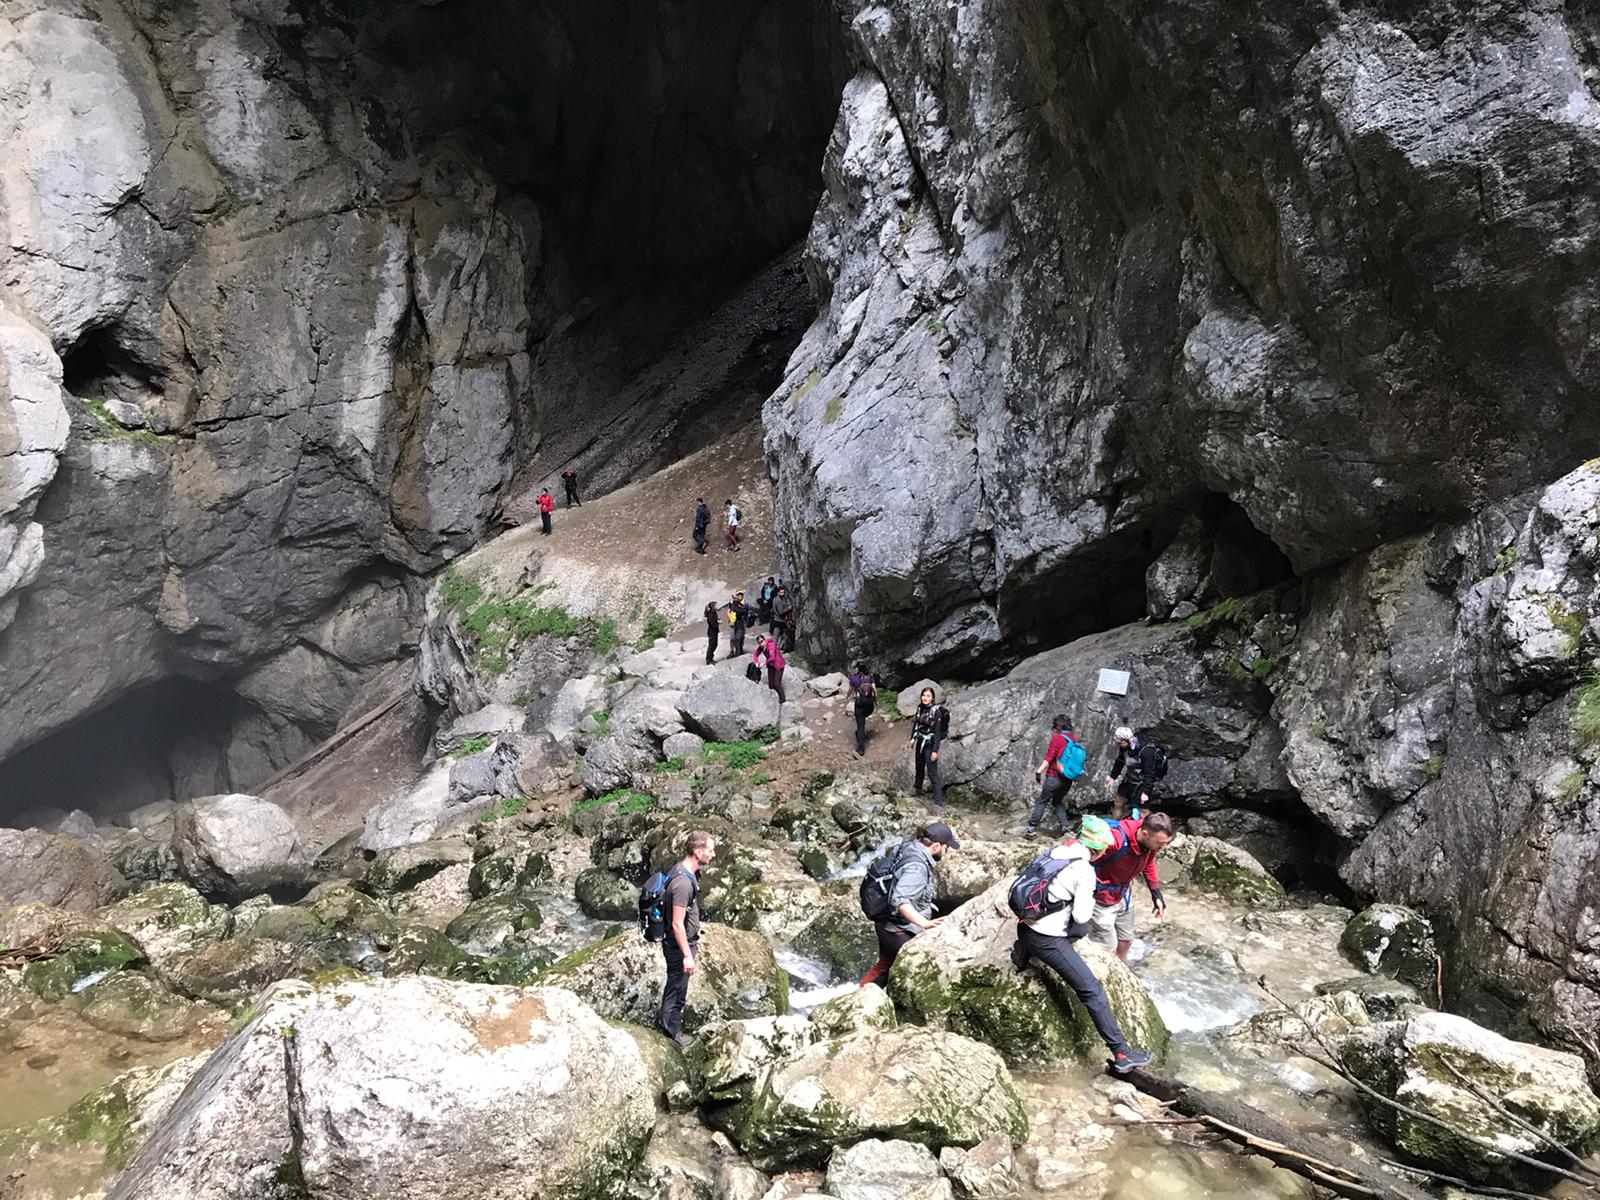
x: 1329, y: 1162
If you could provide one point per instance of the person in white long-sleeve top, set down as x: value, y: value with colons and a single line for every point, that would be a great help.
x: 1054, y: 898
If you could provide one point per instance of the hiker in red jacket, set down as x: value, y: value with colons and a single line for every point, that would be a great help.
x: 769, y: 654
x: 547, y: 504
x: 1053, y: 785
x: 1135, y: 842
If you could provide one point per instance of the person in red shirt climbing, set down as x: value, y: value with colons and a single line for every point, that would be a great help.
x: 1135, y: 842
x: 547, y: 504
x: 1054, y: 782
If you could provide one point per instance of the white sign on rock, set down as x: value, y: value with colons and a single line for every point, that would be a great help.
x: 1114, y: 682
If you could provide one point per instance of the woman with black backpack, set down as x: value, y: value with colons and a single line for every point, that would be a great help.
x: 929, y: 728
x: 862, y: 701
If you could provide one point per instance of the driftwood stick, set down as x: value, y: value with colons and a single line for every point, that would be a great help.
x: 1477, y: 1189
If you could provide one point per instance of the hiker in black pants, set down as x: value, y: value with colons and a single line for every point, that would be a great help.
x: 928, y: 730
x: 783, y: 618
x: 862, y: 700
x: 713, y: 629
x: 1141, y: 763
x: 741, y: 614
x: 702, y: 522
x: 1053, y: 786
x: 910, y: 896
x: 683, y: 931
x: 769, y: 589
x: 569, y: 480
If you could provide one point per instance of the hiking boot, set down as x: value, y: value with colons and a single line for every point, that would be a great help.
x: 685, y: 1041
x: 1029, y: 831
x: 1130, y: 1059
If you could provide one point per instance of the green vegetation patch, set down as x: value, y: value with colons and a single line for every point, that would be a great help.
x: 1586, y: 710
x: 740, y: 756
x: 473, y: 745
x: 492, y: 623
x: 606, y: 636
x: 97, y: 405
x: 509, y: 806
x: 628, y: 801
x: 655, y: 626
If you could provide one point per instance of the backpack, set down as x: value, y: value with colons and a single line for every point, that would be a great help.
x: 1156, y: 760
x: 738, y: 514
x: 652, y: 902
x: 1073, y: 758
x: 1029, y: 896
x: 877, y: 885
x: 752, y: 672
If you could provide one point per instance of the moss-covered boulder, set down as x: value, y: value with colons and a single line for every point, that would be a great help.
x: 1329, y: 1016
x: 234, y: 969
x: 606, y: 896
x: 423, y: 950
x: 401, y: 868
x: 839, y: 937
x: 1224, y: 869
x: 1384, y: 999
x: 664, y: 1060
x: 508, y: 858
x: 917, y: 1085
x: 960, y: 977
x: 857, y: 1010
x: 737, y: 977
x: 486, y: 925
x: 134, y: 1004
x: 728, y: 1058
x: 79, y: 961
x: 1391, y: 939
x: 1406, y: 1061
x: 519, y: 961
x: 169, y: 921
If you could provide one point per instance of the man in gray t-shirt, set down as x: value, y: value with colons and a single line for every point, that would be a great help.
x: 680, y: 946
x: 912, y: 897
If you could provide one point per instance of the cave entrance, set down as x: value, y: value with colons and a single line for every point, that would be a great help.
x: 175, y: 739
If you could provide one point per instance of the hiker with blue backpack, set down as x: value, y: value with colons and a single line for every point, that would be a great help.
x: 669, y: 913
x: 897, y: 894
x: 1054, y: 900
x: 1063, y: 763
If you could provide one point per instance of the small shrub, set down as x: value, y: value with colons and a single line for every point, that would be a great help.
x: 1504, y: 561
x: 472, y: 746
x: 737, y: 756
x: 759, y: 778
x: 1223, y: 611
x: 1586, y: 710
x: 1569, y: 624
x: 509, y: 806
x: 766, y: 735
x: 605, y: 636
x: 1263, y: 665
x: 655, y: 626
x: 1571, y: 784
x: 667, y: 767
x: 1433, y: 767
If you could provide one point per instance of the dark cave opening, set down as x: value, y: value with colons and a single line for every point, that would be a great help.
x: 98, y: 365
x: 174, y: 739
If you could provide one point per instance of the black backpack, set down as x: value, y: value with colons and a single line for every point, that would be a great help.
x: 752, y: 672
x: 877, y: 885
x: 1029, y: 896
x: 653, y: 903
x: 1154, y: 758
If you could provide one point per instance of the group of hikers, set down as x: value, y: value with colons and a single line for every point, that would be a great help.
x: 733, y: 517
x: 1082, y: 886
x: 774, y: 608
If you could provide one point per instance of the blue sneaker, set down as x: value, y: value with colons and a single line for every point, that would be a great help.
x: 1130, y: 1059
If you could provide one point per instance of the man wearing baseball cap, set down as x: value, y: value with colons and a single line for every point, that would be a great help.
x: 912, y: 897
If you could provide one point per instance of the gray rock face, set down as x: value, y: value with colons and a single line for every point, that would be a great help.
x: 726, y: 707
x: 237, y: 845
x: 521, y: 1092
x: 43, y: 868
x: 878, y: 1170
x: 1063, y: 305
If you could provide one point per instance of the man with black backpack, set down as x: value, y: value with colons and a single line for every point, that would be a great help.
x: 897, y: 894
x: 702, y: 521
x: 1054, y: 899
x: 739, y: 615
x: 735, y: 515
x: 929, y: 727
x: 669, y: 912
x: 862, y: 700
x: 1146, y: 765
x: 1062, y: 763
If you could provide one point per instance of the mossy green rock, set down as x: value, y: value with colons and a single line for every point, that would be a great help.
x: 421, y: 950
x: 518, y: 963
x: 401, y: 868
x: 484, y: 926
x: 1223, y: 868
x: 960, y: 976
x: 83, y: 956
x: 1391, y: 939
x: 235, y: 969
x: 840, y: 937
x: 1384, y: 999
x: 1547, y: 1089
x: 857, y: 1010
x: 622, y: 977
x: 606, y: 896
x: 916, y: 1085
x: 169, y: 920
x: 133, y: 1004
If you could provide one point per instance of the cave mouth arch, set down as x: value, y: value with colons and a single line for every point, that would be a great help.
x: 170, y: 740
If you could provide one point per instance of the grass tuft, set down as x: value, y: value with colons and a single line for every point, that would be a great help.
x: 1586, y: 710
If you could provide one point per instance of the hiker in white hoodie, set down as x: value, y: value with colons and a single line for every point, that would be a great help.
x: 1055, y: 898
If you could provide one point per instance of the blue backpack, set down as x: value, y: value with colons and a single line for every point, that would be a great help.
x: 1030, y: 892
x: 1073, y: 758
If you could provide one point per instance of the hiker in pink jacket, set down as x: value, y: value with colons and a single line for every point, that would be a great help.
x: 767, y: 652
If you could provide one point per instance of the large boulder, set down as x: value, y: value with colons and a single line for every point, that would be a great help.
x: 616, y: 761
x: 975, y: 868
x: 959, y: 976
x: 729, y: 1057
x: 237, y: 845
x: 1435, y: 1062
x: 1225, y: 869
x: 39, y: 867
x: 406, y: 1088
x: 169, y: 920
x: 1393, y: 940
x: 920, y: 1085
x: 879, y: 1170
x: 736, y: 977
x: 727, y: 707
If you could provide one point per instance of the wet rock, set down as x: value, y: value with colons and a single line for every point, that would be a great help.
x: 82, y: 959
x: 1227, y: 870
x: 169, y: 921
x: 1405, y: 1061
x: 975, y: 868
x: 729, y: 1057
x: 419, y: 950
x: 457, y: 1063
x: 606, y: 896
x: 959, y: 976
x: 484, y: 927
x: 1384, y: 999
x: 841, y: 939
x: 880, y: 1170
x: 237, y: 845
x: 922, y: 1085
x: 987, y: 1171
x: 234, y: 969
x: 622, y: 977
x: 46, y: 869
x: 133, y: 1004
x: 401, y: 868
x: 1297, y: 1029
x: 1390, y: 939
x: 855, y: 1011
x: 728, y: 708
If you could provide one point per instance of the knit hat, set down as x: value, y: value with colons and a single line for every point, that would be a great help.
x: 1095, y: 834
x: 1123, y: 734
